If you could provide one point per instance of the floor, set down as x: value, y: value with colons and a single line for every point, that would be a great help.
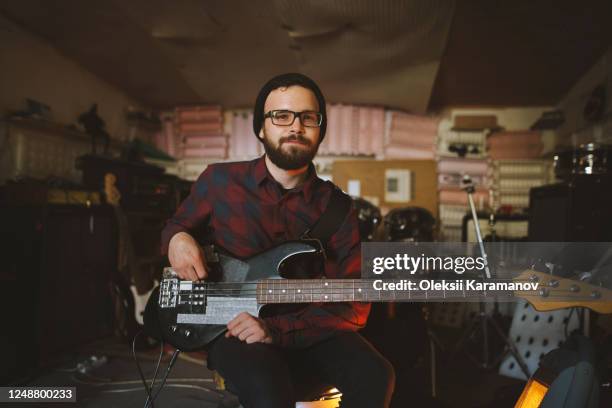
x: 105, y: 375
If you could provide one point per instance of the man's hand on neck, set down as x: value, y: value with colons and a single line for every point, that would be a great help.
x: 287, y: 178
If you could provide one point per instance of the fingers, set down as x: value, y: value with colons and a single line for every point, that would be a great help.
x: 255, y: 338
x: 252, y: 332
x: 239, y: 323
x: 247, y: 328
x: 199, y: 265
x: 191, y: 274
x: 186, y: 257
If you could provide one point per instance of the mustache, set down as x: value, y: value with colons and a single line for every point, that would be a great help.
x: 294, y: 138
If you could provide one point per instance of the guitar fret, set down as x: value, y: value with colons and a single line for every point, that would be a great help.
x: 347, y: 290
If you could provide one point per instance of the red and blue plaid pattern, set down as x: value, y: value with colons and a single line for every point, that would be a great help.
x: 240, y: 207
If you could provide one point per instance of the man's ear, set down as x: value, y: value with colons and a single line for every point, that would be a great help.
x: 261, y: 134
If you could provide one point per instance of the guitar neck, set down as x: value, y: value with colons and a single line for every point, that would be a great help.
x: 353, y: 290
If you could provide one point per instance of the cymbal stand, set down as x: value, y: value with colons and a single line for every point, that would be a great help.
x: 483, y: 319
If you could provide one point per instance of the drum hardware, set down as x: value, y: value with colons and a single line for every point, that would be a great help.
x: 483, y: 319
x: 587, y: 159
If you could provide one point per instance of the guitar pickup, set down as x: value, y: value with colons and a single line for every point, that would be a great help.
x: 210, y: 254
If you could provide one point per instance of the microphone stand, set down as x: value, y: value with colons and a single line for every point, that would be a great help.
x: 483, y: 318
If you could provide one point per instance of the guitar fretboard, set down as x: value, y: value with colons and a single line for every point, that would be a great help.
x: 355, y: 290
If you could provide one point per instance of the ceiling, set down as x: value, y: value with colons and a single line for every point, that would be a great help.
x: 416, y: 55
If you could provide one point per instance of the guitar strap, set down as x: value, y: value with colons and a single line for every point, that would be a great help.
x: 338, y: 207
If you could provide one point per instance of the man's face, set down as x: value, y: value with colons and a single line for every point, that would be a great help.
x: 290, y: 147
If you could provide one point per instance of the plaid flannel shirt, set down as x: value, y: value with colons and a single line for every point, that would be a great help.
x: 240, y: 207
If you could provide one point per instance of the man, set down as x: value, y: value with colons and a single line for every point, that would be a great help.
x: 248, y: 207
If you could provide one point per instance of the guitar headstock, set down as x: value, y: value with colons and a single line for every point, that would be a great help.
x: 558, y: 293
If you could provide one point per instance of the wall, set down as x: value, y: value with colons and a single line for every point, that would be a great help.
x: 576, y: 129
x: 31, y: 68
x: 371, y: 175
x: 512, y: 118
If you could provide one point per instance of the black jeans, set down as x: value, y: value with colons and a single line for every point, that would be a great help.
x: 267, y: 376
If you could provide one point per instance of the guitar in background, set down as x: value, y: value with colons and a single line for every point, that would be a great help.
x: 129, y: 303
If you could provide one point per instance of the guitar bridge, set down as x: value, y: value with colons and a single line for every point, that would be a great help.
x: 168, y: 293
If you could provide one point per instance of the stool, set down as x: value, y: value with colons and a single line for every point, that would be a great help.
x: 329, y: 399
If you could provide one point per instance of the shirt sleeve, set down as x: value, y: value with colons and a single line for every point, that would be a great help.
x: 194, y: 212
x: 321, y: 320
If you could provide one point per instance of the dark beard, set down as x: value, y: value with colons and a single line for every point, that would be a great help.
x: 292, y: 158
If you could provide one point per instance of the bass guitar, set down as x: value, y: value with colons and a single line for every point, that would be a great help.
x: 189, y: 315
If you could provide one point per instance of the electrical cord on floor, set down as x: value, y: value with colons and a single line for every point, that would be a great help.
x: 191, y: 386
x: 142, y: 377
x: 102, y: 382
x: 172, y: 382
x: 168, y: 369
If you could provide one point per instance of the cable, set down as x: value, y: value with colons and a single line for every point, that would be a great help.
x: 196, y: 387
x: 170, y: 365
x: 155, y: 375
x: 142, y: 377
x: 132, y: 382
x: 161, y: 353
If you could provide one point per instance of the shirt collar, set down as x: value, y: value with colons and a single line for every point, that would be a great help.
x: 261, y: 173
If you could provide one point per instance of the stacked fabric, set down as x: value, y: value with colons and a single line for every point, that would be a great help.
x: 512, y: 180
x: 451, y: 219
x: 410, y: 136
x: 243, y: 144
x: 452, y: 170
x: 167, y: 139
x: 354, y: 130
x: 201, y: 130
x: 453, y: 199
x: 515, y: 145
x: 370, y: 136
x: 190, y: 169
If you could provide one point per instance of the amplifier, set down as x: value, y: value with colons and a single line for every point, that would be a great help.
x: 57, y: 265
x: 575, y: 210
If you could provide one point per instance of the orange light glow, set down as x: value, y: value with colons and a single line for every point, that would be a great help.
x: 532, y: 395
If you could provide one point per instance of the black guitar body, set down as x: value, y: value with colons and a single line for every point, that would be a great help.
x: 180, y: 317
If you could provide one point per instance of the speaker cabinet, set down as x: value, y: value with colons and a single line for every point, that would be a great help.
x: 57, y: 265
x: 579, y: 210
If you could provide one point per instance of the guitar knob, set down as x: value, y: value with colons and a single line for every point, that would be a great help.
x: 544, y: 292
x: 173, y: 328
x: 533, y: 278
x: 574, y: 288
x: 553, y: 283
x: 187, y: 332
x: 595, y: 294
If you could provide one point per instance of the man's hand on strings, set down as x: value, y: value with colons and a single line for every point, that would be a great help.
x: 187, y: 257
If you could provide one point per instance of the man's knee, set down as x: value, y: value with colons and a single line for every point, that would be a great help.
x: 382, y: 375
x: 255, y: 372
x: 372, y: 384
x: 379, y: 373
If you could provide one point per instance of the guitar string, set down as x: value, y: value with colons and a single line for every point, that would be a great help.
x: 350, y: 287
x: 292, y: 284
x: 250, y: 294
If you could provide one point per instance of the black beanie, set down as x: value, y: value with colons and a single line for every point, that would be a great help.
x: 281, y: 81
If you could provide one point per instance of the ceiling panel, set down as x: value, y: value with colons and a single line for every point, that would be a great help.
x: 165, y: 53
x: 520, y: 53
x: 416, y: 55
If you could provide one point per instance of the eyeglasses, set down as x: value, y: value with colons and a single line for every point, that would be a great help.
x: 287, y: 117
